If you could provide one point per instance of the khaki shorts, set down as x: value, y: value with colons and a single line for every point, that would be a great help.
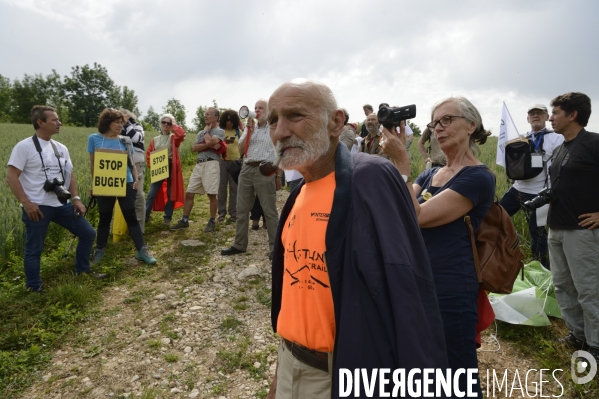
x: 205, y: 178
x: 297, y: 380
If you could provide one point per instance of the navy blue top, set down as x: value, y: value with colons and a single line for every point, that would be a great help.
x: 449, y: 247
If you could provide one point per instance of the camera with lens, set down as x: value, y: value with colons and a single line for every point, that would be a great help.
x: 57, y: 186
x: 545, y: 196
x: 392, y: 116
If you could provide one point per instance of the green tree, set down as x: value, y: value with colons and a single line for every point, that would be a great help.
x: 27, y: 92
x: 152, y: 119
x: 89, y: 91
x: 415, y: 129
x: 199, y: 122
x: 5, y: 99
x: 57, y: 96
x: 175, y: 108
x: 129, y: 101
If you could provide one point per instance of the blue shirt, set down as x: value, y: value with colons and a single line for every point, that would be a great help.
x: 448, y: 246
x: 96, y: 141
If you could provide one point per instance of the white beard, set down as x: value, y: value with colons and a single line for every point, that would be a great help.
x: 305, y: 153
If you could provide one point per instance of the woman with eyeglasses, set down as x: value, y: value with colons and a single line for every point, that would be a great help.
x: 168, y: 194
x: 442, y: 196
x: 229, y: 121
x: 109, y: 137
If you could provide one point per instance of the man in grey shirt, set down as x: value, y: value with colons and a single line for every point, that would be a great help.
x: 205, y: 177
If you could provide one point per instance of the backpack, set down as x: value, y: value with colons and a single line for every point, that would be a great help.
x: 496, y: 251
x: 518, y: 159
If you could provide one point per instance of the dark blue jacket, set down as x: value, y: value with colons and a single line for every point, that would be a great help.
x: 386, y: 311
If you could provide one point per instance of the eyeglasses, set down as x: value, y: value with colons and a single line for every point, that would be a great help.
x: 207, y: 114
x: 167, y: 123
x: 444, y: 122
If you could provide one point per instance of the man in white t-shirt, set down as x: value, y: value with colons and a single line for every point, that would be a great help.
x: 545, y: 142
x: 40, y: 175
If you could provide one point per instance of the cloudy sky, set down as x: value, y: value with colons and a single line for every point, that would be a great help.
x: 234, y: 52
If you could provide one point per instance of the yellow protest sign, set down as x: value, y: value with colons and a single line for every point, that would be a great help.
x: 159, y: 165
x: 110, y: 173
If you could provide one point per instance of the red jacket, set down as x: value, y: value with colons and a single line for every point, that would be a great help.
x: 176, y: 175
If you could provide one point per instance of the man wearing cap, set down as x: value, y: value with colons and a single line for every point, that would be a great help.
x: 544, y: 141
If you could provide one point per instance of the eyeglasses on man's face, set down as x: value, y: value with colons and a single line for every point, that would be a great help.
x: 444, y: 121
x: 167, y: 123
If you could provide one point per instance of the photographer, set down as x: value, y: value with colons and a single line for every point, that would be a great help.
x: 40, y: 175
x: 574, y: 220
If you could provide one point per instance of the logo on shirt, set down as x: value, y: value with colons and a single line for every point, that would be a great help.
x: 291, y: 222
x: 313, y: 263
x: 320, y: 216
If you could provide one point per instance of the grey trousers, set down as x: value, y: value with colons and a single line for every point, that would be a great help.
x: 251, y: 184
x: 574, y: 258
x: 226, y: 180
x: 140, y: 200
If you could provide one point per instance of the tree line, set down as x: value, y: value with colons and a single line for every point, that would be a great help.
x: 80, y: 98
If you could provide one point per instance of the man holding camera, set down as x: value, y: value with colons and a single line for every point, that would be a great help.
x: 40, y: 175
x: 574, y: 220
x: 545, y: 141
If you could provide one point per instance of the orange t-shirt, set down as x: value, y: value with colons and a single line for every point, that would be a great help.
x: 307, y: 316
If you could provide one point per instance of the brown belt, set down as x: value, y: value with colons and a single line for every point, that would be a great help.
x: 253, y: 163
x: 318, y: 360
x: 205, y: 160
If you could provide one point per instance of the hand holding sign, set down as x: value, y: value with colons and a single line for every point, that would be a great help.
x: 159, y: 165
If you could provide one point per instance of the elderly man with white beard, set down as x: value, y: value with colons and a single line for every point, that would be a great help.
x: 352, y: 285
x: 372, y: 142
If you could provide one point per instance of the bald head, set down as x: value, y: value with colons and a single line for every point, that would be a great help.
x: 304, y: 123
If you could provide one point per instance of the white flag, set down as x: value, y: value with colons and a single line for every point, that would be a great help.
x: 507, y: 132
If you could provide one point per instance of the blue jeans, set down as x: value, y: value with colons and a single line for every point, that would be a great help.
x: 35, y: 233
x: 127, y: 204
x: 512, y: 202
x: 459, y: 312
x: 151, y: 197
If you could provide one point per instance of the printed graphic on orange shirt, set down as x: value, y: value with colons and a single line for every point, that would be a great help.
x: 305, y: 274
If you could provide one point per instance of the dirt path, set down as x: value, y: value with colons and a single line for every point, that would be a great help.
x: 191, y: 327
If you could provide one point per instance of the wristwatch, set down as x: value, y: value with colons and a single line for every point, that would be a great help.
x: 76, y: 198
x: 406, y: 178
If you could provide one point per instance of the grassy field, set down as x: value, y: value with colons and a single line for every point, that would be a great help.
x: 32, y: 325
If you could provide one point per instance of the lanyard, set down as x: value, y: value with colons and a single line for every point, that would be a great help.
x: 537, y: 141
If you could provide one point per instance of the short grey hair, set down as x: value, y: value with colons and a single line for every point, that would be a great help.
x: 128, y: 114
x: 168, y: 116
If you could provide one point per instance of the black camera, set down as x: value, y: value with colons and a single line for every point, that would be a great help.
x: 389, y: 117
x: 545, y: 196
x: 57, y: 186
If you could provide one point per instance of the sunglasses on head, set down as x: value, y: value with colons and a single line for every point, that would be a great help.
x: 167, y: 123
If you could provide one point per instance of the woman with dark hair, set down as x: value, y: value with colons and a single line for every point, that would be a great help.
x: 442, y: 196
x: 230, y: 123
x: 168, y: 194
x: 110, y: 125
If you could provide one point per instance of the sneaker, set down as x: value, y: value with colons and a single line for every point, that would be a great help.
x: 594, y: 352
x: 98, y: 255
x: 167, y: 222
x: 255, y: 224
x: 38, y: 290
x: 181, y: 224
x: 145, y: 256
x: 210, y: 227
x: 233, y: 219
x: 96, y: 276
x: 221, y: 218
x: 231, y: 251
x: 572, y: 342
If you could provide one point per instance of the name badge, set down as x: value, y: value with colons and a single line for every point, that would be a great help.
x: 536, y: 161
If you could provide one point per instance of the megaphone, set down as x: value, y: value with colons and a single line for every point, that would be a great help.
x: 244, y: 112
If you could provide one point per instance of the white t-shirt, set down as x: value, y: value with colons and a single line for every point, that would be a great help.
x: 354, y: 148
x: 551, y: 141
x: 292, y: 174
x: 25, y: 157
